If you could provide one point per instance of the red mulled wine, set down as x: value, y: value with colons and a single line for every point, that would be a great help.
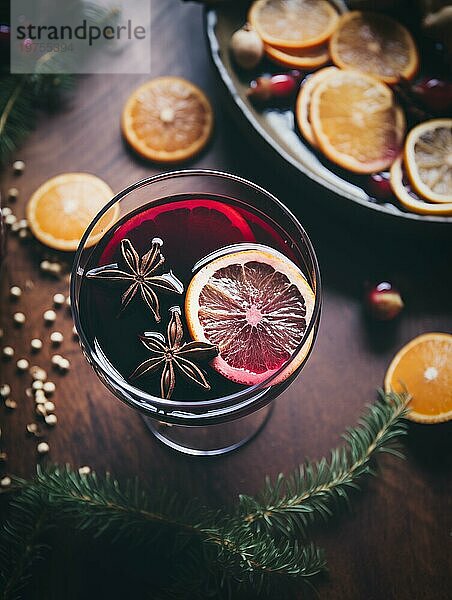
x: 190, y: 227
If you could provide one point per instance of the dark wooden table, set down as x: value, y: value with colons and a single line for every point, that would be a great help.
x: 396, y: 543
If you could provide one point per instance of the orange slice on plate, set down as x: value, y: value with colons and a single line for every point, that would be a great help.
x: 374, y: 44
x: 355, y: 121
x: 61, y: 209
x: 304, y: 101
x: 167, y: 119
x: 304, y: 58
x: 424, y: 368
x: 255, y: 305
x: 410, y: 200
x: 428, y: 159
x: 293, y: 23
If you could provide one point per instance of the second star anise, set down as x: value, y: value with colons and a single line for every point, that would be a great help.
x: 172, y: 356
x: 140, y: 275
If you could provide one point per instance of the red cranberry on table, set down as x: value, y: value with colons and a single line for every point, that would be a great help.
x: 383, y: 301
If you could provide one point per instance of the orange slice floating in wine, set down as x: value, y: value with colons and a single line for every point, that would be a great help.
x: 255, y: 305
x: 294, y: 23
x: 409, y: 198
x: 374, y: 44
x: 428, y: 159
x: 355, y: 121
x: 304, y: 101
x: 304, y: 58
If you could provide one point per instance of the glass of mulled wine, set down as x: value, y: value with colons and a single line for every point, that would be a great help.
x: 198, y: 307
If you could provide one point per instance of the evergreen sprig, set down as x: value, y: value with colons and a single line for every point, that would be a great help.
x: 21, y: 545
x: 290, y: 504
x: 260, y: 544
x: 22, y: 95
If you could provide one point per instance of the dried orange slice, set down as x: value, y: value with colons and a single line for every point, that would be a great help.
x: 355, y: 122
x: 167, y: 119
x: 303, y: 58
x: 293, y: 23
x: 61, y: 209
x: 255, y: 305
x: 410, y: 200
x: 428, y: 159
x: 304, y: 101
x: 424, y: 368
x: 374, y: 44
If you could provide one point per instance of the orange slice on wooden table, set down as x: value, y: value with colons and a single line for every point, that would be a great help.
x: 304, y: 101
x: 374, y: 44
x: 428, y: 159
x: 424, y: 368
x: 355, y: 121
x: 303, y: 58
x: 167, y: 119
x: 293, y: 23
x: 409, y: 198
x: 61, y: 209
x: 255, y: 305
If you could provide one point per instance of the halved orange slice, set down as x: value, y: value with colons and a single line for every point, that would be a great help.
x: 304, y: 58
x: 355, y: 121
x: 61, y: 209
x: 424, y: 368
x: 293, y: 23
x: 255, y: 305
x: 428, y: 159
x: 374, y: 44
x: 409, y: 199
x: 304, y: 101
x: 167, y: 119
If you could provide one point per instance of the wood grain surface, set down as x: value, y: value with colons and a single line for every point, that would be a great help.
x: 396, y: 542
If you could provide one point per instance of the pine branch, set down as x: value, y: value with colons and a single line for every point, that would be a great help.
x: 17, y: 115
x: 254, y: 546
x: 20, y: 545
x: 290, y: 504
x: 103, y: 506
x: 22, y: 95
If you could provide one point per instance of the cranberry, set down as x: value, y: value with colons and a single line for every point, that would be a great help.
x: 383, y: 301
x: 379, y: 185
x: 435, y: 94
x: 275, y: 87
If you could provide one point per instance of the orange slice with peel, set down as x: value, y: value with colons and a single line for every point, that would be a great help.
x: 304, y: 101
x: 255, y: 305
x: 304, y: 58
x: 167, y: 119
x: 409, y: 198
x: 428, y: 159
x: 423, y: 368
x: 355, y: 121
x: 374, y: 44
x: 293, y: 23
x: 61, y: 209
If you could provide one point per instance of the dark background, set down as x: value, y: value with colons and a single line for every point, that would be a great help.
x: 396, y: 542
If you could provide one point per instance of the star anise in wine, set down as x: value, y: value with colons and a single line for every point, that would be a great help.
x: 140, y: 275
x: 172, y: 356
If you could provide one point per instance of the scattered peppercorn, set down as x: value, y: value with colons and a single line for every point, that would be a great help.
x: 22, y: 364
x: 15, y: 292
x: 43, y: 448
x: 18, y: 167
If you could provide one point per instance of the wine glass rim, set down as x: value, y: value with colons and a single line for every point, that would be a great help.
x: 170, y: 406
